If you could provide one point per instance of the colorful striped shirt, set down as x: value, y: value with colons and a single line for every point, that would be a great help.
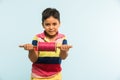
x: 48, y: 63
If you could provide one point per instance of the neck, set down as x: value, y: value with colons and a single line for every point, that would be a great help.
x: 50, y: 36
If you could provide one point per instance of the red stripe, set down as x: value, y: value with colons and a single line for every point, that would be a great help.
x: 46, y: 69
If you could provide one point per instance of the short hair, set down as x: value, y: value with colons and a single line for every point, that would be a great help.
x: 50, y: 12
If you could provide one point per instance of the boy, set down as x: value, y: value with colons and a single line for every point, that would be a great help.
x: 47, y: 64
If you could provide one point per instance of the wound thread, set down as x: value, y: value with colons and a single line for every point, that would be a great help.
x: 64, y: 41
x: 34, y: 42
x: 46, y: 46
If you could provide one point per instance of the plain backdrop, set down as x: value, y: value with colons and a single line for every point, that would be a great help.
x: 91, y: 26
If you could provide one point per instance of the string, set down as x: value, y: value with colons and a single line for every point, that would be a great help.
x: 46, y: 46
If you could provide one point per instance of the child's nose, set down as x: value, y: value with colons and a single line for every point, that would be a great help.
x: 51, y: 26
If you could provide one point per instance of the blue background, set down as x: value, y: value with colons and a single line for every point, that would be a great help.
x: 91, y: 26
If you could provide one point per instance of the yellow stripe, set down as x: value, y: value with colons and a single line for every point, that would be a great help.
x: 35, y: 38
x: 49, y: 53
x: 64, y: 37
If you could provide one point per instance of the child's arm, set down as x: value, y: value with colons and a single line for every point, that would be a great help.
x: 64, y: 51
x: 33, y: 55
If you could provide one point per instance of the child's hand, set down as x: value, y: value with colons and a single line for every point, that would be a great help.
x: 27, y: 47
x: 65, y: 48
x: 64, y: 51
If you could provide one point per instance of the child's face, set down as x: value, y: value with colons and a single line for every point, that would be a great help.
x: 51, y: 25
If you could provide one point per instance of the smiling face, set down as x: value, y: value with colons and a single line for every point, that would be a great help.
x: 51, y: 26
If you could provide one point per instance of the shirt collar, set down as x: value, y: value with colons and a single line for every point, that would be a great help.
x: 42, y: 35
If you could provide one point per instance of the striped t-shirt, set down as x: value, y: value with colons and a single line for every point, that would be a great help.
x: 48, y: 63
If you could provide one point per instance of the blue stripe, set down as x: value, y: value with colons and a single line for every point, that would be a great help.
x: 49, y: 60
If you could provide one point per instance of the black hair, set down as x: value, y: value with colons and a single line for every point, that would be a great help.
x: 50, y: 12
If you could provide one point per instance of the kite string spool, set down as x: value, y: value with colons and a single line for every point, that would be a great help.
x: 46, y: 46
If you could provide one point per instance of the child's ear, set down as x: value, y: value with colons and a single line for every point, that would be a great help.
x: 59, y: 24
x: 42, y: 25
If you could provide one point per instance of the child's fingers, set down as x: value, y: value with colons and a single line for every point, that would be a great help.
x: 26, y: 46
x: 21, y: 46
x: 68, y: 46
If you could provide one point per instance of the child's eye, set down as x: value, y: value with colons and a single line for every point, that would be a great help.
x: 47, y: 24
x: 54, y: 24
